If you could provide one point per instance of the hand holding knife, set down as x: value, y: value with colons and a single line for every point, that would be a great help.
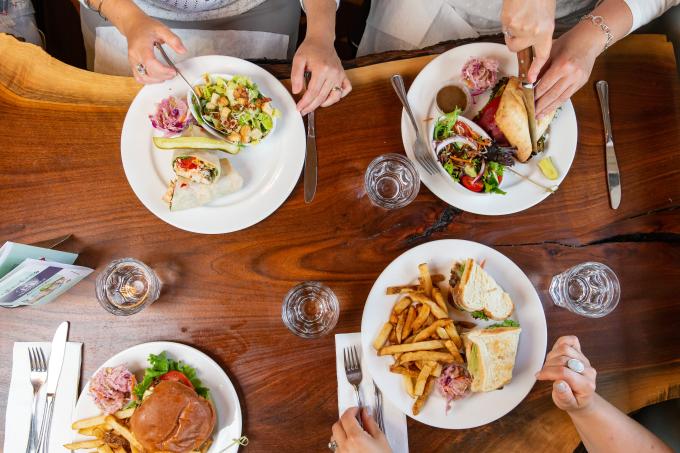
x: 524, y: 59
x: 310, y: 155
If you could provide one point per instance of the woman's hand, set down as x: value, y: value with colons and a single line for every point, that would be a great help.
x: 351, y: 438
x: 328, y: 83
x: 529, y: 23
x: 142, y: 32
x: 571, y: 62
x: 572, y: 391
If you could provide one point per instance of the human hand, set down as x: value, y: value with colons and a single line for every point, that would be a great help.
x: 529, y: 23
x: 572, y: 391
x: 142, y: 32
x: 328, y: 83
x: 571, y: 62
x: 351, y: 438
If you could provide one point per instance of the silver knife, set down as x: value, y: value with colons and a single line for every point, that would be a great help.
x: 524, y: 59
x: 310, y: 155
x: 613, y: 175
x: 53, y: 372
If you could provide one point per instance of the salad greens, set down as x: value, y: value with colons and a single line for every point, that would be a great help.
x: 161, y: 364
x: 506, y: 323
x: 479, y: 315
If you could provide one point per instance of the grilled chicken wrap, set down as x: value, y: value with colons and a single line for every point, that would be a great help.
x: 505, y: 118
x: 198, y: 166
x: 183, y: 193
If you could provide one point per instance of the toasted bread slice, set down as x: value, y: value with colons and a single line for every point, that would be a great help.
x: 491, y: 356
x: 476, y: 290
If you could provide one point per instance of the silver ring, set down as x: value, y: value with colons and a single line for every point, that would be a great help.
x: 576, y: 365
x: 332, y: 445
x: 141, y: 70
x: 507, y: 33
x: 338, y: 89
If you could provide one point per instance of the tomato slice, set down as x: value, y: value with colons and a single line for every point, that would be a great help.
x: 487, y: 120
x: 176, y: 376
x: 469, y: 184
x: 187, y: 163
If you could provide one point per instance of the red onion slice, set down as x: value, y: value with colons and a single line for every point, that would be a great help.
x: 454, y: 139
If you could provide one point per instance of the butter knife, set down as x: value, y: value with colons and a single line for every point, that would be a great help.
x: 524, y: 59
x: 53, y: 372
x: 613, y: 175
x: 310, y: 155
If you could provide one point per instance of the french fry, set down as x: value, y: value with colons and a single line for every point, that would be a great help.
x: 393, y: 336
x: 437, y: 278
x: 465, y: 324
x: 393, y: 318
x: 89, y: 431
x: 408, y: 383
x: 454, y: 351
x: 423, y: 313
x: 124, y: 413
x: 441, y: 333
x: 420, y: 401
x: 410, y: 347
x: 400, y: 325
x: 410, y: 317
x: 439, y: 299
x: 436, y: 309
x: 437, y: 370
x: 134, y: 449
x: 90, y: 443
x: 402, y: 305
x: 425, y: 372
x: 119, y: 450
x: 112, y: 423
x: 104, y: 449
x: 382, y: 336
x: 392, y: 290
x: 432, y: 328
x: 425, y: 278
x: 87, y: 422
x: 453, y: 334
x: 403, y: 371
x: 434, y: 356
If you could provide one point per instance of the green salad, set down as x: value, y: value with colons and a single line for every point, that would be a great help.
x: 236, y: 107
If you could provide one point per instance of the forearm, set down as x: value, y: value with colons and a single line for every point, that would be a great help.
x: 320, y: 20
x: 121, y: 13
x: 603, y: 429
x: 616, y: 15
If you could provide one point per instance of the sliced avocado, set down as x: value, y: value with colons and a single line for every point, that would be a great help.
x: 195, y: 143
x: 470, y: 171
x: 473, y: 360
x: 548, y: 168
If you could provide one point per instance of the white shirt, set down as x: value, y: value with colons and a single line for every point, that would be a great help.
x: 414, y: 24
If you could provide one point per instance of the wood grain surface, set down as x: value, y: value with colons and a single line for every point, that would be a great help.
x: 60, y: 172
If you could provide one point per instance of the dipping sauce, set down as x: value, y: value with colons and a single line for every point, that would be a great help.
x: 450, y: 97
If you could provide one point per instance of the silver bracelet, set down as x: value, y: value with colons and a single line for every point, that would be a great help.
x: 599, y: 21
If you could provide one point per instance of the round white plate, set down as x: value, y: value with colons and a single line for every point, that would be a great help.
x: 521, y: 194
x: 479, y: 408
x: 270, y: 170
x: 222, y: 392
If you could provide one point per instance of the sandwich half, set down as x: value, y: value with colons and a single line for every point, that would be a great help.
x: 475, y: 290
x: 491, y: 354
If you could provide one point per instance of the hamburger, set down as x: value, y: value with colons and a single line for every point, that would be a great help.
x: 505, y: 119
x: 174, y: 418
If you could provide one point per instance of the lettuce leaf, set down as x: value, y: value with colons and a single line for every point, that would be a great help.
x: 161, y: 364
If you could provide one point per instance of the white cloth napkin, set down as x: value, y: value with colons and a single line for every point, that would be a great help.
x: 18, y: 416
x: 395, y: 420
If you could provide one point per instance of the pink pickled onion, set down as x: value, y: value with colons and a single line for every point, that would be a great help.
x: 480, y: 74
x: 171, y: 116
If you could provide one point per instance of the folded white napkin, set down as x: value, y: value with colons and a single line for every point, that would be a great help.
x: 18, y: 416
x: 395, y: 420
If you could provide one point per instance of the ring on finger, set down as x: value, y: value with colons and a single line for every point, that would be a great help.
x: 338, y: 89
x: 141, y: 70
x: 332, y: 445
x: 507, y: 33
x: 576, y: 365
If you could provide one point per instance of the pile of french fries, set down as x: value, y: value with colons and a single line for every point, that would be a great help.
x: 420, y: 335
x: 111, y: 435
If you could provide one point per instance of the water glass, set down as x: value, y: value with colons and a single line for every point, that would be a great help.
x: 310, y: 310
x: 391, y: 181
x: 127, y: 286
x: 588, y: 289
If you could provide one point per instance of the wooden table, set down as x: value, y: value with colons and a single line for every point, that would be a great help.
x: 60, y: 172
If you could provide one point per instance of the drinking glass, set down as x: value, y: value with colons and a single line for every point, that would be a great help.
x: 588, y: 289
x: 391, y: 181
x: 310, y: 310
x: 127, y: 286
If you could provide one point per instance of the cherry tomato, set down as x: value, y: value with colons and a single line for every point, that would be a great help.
x: 176, y: 376
x: 467, y: 182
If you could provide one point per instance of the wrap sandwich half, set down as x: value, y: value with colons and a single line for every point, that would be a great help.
x: 198, y: 166
x: 183, y: 193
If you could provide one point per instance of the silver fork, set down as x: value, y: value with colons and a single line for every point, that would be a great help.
x: 379, y: 408
x: 353, y: 372
x: 420, y: 148
x: 38, y: 376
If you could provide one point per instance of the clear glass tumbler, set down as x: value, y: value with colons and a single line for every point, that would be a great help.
x: 127, y: 286
x: 391, y: 181
x: 310, y: 310
x: 588, y: 289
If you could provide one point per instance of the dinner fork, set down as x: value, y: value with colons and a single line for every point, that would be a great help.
x: 38, y: 376
x: 353, y: 372
x: 379, y: 408
x: 420, y: 148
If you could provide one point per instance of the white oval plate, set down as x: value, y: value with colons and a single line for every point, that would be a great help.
x: 270, y: 170
x: 479, y: 408
x: 222, y: 392
x: 521, y: 194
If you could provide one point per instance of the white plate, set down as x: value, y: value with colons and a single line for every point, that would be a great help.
x: 270, y: 170
x: 521, y: 194
x: 222, y: 392
x: 479, y: 408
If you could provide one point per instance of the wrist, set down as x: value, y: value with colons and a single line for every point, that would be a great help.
x: 585, y: 410
x: 594, y: 35
x: 325, y: 37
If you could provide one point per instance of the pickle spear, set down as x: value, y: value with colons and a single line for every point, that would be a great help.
x: 195, y: 143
